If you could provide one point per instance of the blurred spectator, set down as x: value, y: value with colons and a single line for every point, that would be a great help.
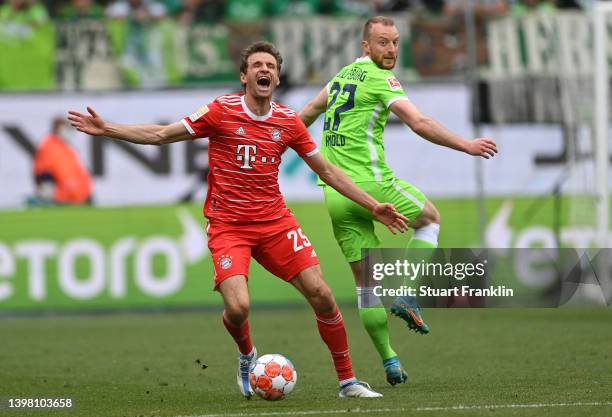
x: 246, y: 10
x: 173, y: 7
x: 201, y: 11
x: 26, y: 47
x: 81, y: 9
x: 435, y: 7
x: 294, y: 7
x: 136, y: 11
x: 384, y: 6
x: 415, y: 6
x: 24, y: 12
x: 142, y: 44
x: 482, y: 8
x: 59, y: 174
x: 302, y: 8
x: 523, y: 7
x: 574, y: 4
x: 331, y: 7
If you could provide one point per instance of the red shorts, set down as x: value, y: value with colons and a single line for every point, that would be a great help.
x: 279, y: 245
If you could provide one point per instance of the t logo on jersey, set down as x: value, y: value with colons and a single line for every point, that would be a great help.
x: 246, y: 154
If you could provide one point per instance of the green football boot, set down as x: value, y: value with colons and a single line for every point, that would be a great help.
x: 394, y: 370
x: 408, y: 310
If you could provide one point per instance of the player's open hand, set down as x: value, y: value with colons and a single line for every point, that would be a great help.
x: 482, y: 147
x: 91, y: 123
x: 387, y: 215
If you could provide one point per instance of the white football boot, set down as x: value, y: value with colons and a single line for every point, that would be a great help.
x: 358, y: 389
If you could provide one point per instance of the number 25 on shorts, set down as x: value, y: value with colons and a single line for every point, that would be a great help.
x: 300, y: 241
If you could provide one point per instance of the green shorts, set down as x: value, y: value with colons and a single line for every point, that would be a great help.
x: 354, y: 225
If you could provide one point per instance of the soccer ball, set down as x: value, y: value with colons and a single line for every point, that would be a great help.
x: 273, y: 377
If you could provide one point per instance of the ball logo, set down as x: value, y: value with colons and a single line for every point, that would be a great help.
x: 394, y: 84
x: 276, y: 135
x: 225, y: 262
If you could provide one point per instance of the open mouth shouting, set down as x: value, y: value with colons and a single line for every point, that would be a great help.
x: 264, y: 82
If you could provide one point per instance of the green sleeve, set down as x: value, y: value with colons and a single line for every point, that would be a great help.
x: 387, y: 88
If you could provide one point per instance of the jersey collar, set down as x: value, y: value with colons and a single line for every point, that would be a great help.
x: 253, y: 115
x: 363, y: 59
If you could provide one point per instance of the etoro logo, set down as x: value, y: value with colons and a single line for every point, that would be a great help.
x: 500, y: 234
x: 535, y: 270
x: 108, y: 265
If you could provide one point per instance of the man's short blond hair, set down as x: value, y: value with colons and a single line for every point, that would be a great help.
x: 367, y: 27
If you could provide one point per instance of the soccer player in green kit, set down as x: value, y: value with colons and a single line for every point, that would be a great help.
x: 357, y: 102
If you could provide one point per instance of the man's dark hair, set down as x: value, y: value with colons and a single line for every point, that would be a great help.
x: 260, y: 46
x: 386, y: 21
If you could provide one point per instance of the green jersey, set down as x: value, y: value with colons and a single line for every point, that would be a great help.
x: 357, y: 110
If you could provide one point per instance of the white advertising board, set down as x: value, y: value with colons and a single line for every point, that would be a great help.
x: 161, y: 175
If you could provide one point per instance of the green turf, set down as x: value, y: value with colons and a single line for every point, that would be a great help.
x: 133, y: 365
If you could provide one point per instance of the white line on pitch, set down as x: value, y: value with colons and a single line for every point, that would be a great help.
x: 358, y: 410
x: 495, y: 406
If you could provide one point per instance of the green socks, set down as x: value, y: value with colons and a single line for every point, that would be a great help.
x: 374, y: 320
x: 371, y: 311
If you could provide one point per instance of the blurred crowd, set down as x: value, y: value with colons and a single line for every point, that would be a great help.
x: 36, y: 12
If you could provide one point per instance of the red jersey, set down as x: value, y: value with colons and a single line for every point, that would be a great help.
x: 244, y: 155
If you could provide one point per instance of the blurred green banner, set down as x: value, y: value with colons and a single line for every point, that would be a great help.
x: 86, y: 258
x: 81, y: 258
x: 27, y: 57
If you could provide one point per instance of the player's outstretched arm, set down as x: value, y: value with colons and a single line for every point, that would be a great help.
x: 430, y: 129
x: 94, y: 125
x: 314, y: 108
x: 336, y: 178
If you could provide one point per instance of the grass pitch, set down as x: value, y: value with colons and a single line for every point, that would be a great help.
x: 558, y: 362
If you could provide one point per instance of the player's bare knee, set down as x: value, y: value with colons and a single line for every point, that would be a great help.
x: 322, y: 299
x: 435, y: 215
x: 237, y: 312
x: 429, y: 215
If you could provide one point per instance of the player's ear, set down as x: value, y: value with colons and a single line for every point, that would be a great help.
x: 365, y: 46
x: 242, y: 77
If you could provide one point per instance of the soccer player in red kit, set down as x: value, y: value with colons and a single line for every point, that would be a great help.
x: 247, y: 216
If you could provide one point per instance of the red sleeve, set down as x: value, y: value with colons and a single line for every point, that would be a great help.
x: 302, y: 142
x: 204, y: 122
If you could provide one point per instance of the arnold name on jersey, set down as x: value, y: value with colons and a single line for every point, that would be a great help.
x: 335, y: 139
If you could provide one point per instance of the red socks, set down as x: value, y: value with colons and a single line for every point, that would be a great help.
x: 333, y: 333
x: 331, y: 329
x: 241, y: 335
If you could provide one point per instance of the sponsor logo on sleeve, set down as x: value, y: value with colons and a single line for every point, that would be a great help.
x: 201, y: 112
x: 394, y: 84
